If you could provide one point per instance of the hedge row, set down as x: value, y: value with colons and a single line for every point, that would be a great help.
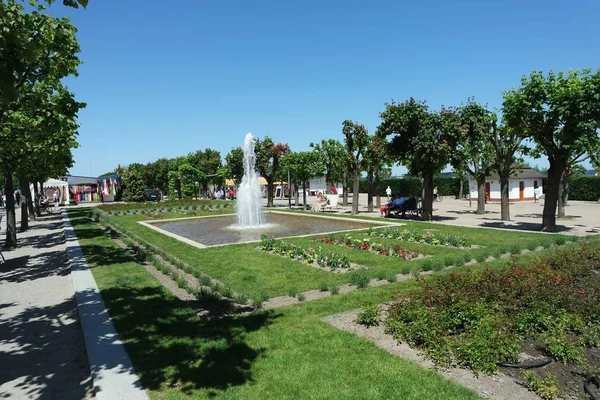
x: 446, y: 186
x: 585, y: 188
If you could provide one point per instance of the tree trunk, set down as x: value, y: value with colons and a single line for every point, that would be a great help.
x: 378, y: 187
x: 270, y: 193
x: 563, y: 194
x: 370, y: 189
x: 480, y: 195
x: 460, y: 188
x: 30, y: 206
x: 555, y: 173
x: 345, y: 188
x: 355, y: 192
x: 304, y: 195
x: 11, y: 218
x: 427, y: 181
x: 24, y: 211
x: 36, y: 197
x: 504, y: 203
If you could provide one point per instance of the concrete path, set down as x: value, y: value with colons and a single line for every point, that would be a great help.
x: 41, y: 344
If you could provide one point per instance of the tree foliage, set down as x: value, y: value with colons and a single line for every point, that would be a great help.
x: 423, y: 141
x: 560, y: 113
x: 268, y: 156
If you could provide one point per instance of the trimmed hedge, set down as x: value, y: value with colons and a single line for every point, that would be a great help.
x: 446, y: 186
x: 585, y: 188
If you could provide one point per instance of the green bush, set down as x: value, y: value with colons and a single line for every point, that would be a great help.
x: 359, y: 279
x: 447, y: 186
x: 584, y: 188
x: 369, y: 316
x: 546, y: 387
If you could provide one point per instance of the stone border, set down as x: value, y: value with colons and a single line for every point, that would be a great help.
x: 113, y: 375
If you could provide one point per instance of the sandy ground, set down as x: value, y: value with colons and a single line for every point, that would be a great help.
x: 41, y: 343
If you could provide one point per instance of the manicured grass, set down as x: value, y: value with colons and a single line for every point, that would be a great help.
x: 248, y: 270
x: 283, y: 354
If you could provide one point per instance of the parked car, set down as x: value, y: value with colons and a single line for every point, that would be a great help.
x: 152, y: 195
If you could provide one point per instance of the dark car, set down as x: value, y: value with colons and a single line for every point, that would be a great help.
x: 152, y: 194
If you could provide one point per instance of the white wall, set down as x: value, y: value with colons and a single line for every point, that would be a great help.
x: 513, y: 188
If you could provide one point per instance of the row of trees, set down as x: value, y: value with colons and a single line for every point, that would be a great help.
x: 557, y: 116
x: 38, y: 114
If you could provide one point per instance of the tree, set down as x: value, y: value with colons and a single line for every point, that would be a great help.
x: 561, y: 114
x: 335, y: 157
x: 36, y: 51
x: 423, y: 141
x: 374, y: 162
x: 303, y: 166
x: 356, y: 139
x: 475, y: 152
x: 133, y: 183
x: 235, y: 164
x: 507, y: 145
x: 268, y: 155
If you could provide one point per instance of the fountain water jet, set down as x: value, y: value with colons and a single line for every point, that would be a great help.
x: 249, y: 202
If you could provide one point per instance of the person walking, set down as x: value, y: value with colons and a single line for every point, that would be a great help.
x: 388, y: 192
x: 55, y: 197
x: 435, y: 193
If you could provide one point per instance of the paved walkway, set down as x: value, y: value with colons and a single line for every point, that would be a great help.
x: 41, y: 344
x: 583, y: 218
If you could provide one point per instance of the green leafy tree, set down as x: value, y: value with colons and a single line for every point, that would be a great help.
x: 268, y: 156
x: 356, y: 140
x: 421, y: 140
x: 508, y: 145
x: 235, y: 164
x: 561, y: 114
x: 475, y: 152
x: 36, y: 52
x: 303, y: 166
x: 374, y: 162
x: 133, y: 183
x: 336, y: 162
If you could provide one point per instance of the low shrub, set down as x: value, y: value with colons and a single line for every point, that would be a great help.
x: 369, y: 316
x: 323, y: 286
x: 334, y: 289
x: 359, y: 279
x: 546, y: 387
x: 301, y: 296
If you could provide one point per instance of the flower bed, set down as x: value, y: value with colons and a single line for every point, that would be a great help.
x: 426, y: 237
x: 323, y: 259
x: 479, y: 319
x: 367, y: 245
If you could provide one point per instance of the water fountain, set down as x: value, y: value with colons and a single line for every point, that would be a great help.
x: 249, y: 202
x: 251, y: 220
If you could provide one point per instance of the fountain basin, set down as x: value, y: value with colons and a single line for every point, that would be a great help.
x: 223, y: 230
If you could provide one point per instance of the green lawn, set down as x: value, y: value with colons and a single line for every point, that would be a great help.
x: 287, y: 353
x: 248, y: 270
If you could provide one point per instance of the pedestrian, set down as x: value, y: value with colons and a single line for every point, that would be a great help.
x: 55, y: 197
x: 17, y: 198
x: 388, y: 192
x: 536, y: 193
x: 435, y: 193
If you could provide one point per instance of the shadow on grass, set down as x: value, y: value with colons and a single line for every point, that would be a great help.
x: 171, y: 347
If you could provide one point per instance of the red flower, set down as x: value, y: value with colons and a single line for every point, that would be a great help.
x: 519, y: 271
x: 350, y: 246
x: 556, y: 278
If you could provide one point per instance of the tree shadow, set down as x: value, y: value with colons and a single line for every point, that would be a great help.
x: 27, y: 268
x: 522, y: 226
x: 42, y: 353
x: 471, y: 212
x: 170, y: 345
x: 42, y: 240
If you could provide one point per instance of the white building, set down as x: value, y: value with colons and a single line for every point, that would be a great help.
x: 318, y: 184
x: 520, y: 185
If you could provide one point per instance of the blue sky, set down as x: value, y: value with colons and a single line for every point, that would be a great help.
x: 162, y: 79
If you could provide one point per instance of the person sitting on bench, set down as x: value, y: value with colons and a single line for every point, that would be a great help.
x: 402, y: 205
x: 394, y: 204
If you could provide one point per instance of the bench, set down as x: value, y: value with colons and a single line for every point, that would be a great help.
x: 415, y: 211
x: 333, y: 202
